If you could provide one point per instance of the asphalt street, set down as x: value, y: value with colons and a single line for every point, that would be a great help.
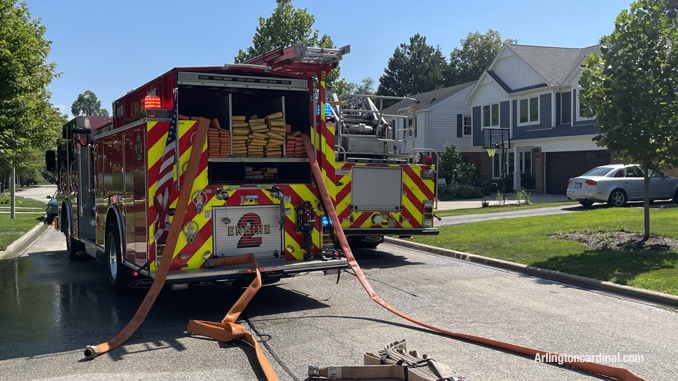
x: 52, y: 308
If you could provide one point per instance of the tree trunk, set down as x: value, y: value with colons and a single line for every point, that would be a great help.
x: 11, y: 190
x: 646, y: 206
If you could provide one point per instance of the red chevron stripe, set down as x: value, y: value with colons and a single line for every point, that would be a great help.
x: 416, y: 203
x: 344, y: 193
x: 360, y: 220
x: 419, y: 183
x: 191, y: 249
x: 413, y: 221
x: 156, y: 133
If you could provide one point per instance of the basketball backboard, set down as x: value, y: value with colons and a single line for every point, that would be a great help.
x: 496, y: 138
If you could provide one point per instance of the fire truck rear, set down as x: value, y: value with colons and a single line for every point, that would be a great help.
x: 254, y: 193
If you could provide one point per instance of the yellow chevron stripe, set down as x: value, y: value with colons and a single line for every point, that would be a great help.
x: 196, y: 260
x: 289, y: 241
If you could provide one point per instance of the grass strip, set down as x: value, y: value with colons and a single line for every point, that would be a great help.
x: 12, y: 229
x: 525, y: 240
x: 497, y: 209
x: 25, y: 202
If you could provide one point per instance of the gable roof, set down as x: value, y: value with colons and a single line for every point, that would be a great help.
x: 552, y: 63
x: 428, y: 99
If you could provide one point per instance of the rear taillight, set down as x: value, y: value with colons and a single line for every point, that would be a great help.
x: 591, y: 182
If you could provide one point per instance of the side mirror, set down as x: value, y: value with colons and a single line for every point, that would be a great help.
x: 50, y: 161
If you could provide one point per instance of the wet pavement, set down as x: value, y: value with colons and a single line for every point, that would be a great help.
x: 51, y: 308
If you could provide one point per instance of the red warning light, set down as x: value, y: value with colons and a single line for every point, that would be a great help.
x: 152, y: 102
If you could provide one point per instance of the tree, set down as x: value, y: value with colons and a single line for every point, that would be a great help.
x: 474, y: 57
x: 414, y: 68
x: 26, y: 115
x: 285, y: 27
x: 631, y: 88
x: 366, y: 86
x: 88, y: 104
x: 25, y: 110
x: 449, y: 162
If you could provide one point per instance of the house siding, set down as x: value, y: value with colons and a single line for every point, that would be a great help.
x: 504, y: 114
x: 566, y: 108
x: 545, y: 110
x: 420, y: 141
x: 558, y: 121
x: 490, y: 93
x: 477, y: 132
x: 516, y: 73
x: 443, y: 121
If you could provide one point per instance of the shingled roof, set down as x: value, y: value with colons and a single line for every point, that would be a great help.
x: 428, y: 99
x: 552, y: 63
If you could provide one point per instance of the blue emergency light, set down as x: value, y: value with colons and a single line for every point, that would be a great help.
x: 328, y: 109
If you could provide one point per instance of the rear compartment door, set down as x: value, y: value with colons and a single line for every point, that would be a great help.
x: 247, y: 229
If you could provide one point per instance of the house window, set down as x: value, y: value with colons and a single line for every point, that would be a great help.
x: 528, y: 111
x: 583, y: 113
x: 468, y: 126
x: 491, y: 115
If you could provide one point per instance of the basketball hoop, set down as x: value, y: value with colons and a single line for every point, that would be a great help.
x: 491, y: 151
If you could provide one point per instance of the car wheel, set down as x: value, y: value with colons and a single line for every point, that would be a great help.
x: 586, y: 204
x: 119, y: 275
x: 617, y: 198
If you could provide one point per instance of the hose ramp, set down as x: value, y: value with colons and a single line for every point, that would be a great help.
x: 605, y: 370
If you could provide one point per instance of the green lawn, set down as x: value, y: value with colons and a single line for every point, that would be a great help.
x: 25, y: 203
x: 11, y: 230
x: 495, y: 209
x: 525, y: 240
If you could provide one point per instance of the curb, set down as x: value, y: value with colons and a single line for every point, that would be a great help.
x: 653, y: 296
x: 23, y: 241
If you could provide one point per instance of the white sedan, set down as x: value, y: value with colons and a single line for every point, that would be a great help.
x: 618, y: 183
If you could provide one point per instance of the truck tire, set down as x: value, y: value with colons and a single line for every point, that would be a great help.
x: 367, y: 242
x: 119, y: 275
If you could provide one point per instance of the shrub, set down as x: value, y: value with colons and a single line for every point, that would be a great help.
x: 467, y: 174
x: 5, y: 198
x: 466, y: 192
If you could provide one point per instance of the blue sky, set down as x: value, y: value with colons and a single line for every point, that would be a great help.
x: 111, y: 47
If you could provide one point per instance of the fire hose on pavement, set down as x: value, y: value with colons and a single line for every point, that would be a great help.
x: 605, y: 370
x: 227, y: 330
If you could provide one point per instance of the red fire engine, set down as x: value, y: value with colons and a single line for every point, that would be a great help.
x: 119, y: 179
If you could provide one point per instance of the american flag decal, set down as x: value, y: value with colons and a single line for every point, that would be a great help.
x: 161, y: 200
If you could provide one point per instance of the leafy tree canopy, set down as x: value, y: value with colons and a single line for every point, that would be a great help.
x: 631, y: 88
x: 474, y: 57
x: 414, y: 68
x: 285, y: 27
x: 366, y: 86
x: 88, y: 104
x: 26, y: 115
x: 450, y: 161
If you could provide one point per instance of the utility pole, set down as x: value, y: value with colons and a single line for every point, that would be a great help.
x: 11, y: 192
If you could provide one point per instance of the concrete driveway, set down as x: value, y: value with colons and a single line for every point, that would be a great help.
x: 38, y: 193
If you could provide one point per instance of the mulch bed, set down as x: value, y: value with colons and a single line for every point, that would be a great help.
x: 620, y: 240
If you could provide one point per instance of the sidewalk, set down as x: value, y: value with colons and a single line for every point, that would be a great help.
x: 477, y: 202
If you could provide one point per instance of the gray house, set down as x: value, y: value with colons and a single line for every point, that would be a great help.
x: 442, y: 117
x: 534, y: 91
